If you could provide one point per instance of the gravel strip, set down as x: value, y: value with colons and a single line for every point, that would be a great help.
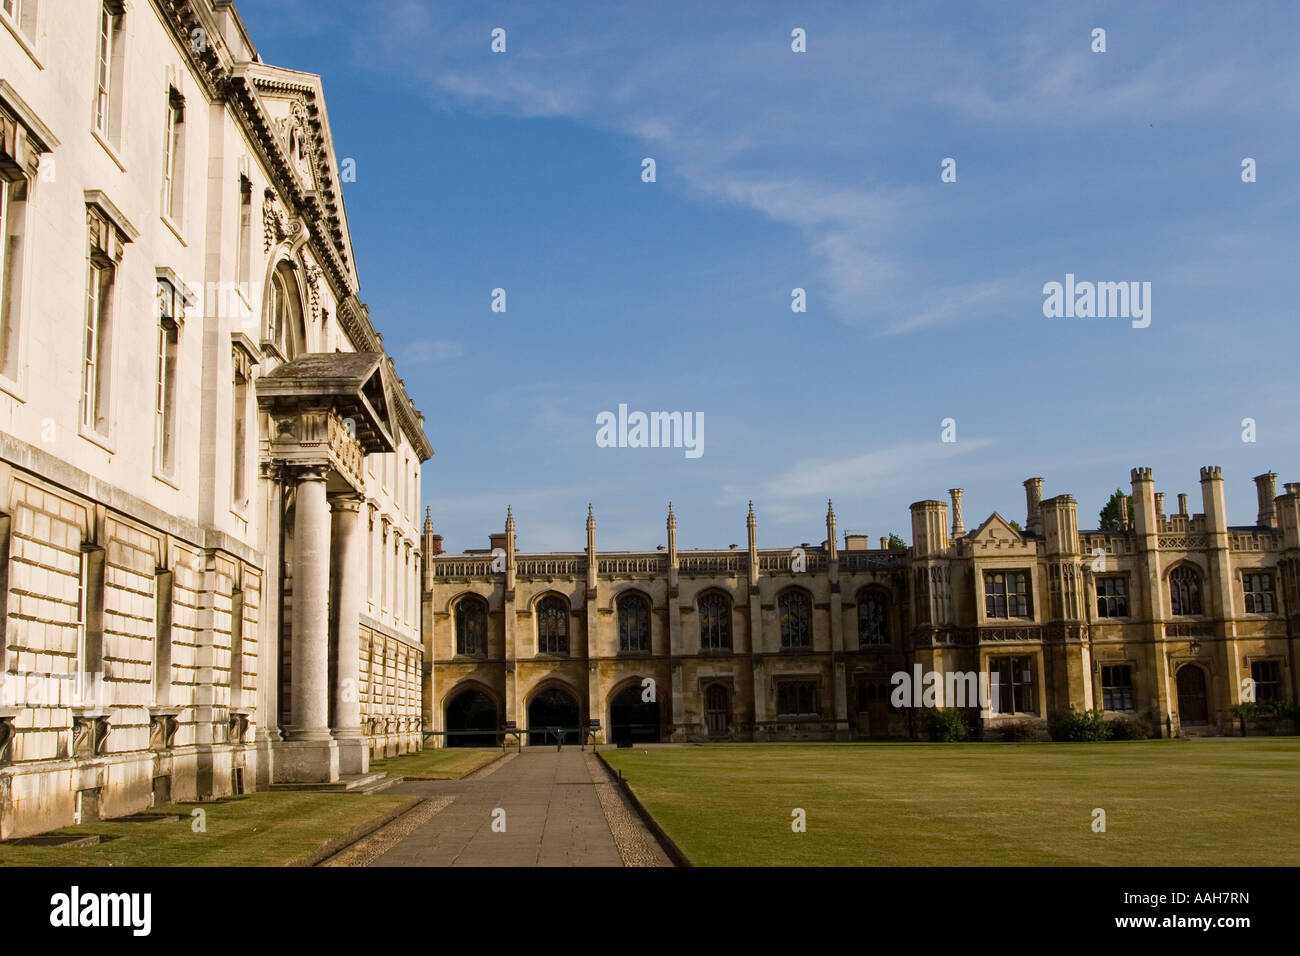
x: 636, y: 845
x: 367, y: 850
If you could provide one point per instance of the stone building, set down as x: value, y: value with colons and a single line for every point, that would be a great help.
x: 209, y: 469
x: 1171, y: 619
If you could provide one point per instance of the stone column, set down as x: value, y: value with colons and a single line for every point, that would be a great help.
x: 348, y: 530
x: 310, y: 755
x: 268, y: 659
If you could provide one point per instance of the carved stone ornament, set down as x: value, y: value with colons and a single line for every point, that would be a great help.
x: 6, y: 740
x: 89, y: 736
x: 277, y: 224
x: 238, y: 727
x: 162, y: 731
x: 313, y: 291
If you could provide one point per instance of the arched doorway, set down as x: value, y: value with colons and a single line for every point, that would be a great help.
x: 471, y: 710
x: 717, y: 710
x: 1192, y: 705
x: 553, y: 709
x: 633, y: 719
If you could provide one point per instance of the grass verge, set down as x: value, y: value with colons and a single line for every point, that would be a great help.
x: 258, y: 829
x: 1167, y: 803
x: 444, y: 764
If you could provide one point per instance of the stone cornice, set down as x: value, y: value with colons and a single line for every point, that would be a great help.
x: 237, y: 84
x: 210, y: 61
x: 354, y: 316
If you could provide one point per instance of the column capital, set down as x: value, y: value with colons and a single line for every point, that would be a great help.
x: 301, y: 473
x: 352, y: 503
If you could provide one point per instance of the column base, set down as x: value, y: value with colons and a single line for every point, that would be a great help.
x: 354, y: 754
x: 307, y: 761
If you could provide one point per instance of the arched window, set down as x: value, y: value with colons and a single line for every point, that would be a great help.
x: 278, y: 311
x: 471, y: 626
x: 284, y: 312
x: 796, y: 619
x: 715, y: 622
x: 552, y: 626
x: 1184, y: 590
x: 633, y: 623
x: 873, y: 618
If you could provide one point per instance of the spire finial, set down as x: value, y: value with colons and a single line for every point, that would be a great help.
x: 751, y: 505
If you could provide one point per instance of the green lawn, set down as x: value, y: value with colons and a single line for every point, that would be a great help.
x: 445, y: 764
x: 259, y: 829
x: 1222, y: 802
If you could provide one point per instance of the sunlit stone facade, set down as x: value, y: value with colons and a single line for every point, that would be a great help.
x: 1169, y: 620
x: 209, y: 469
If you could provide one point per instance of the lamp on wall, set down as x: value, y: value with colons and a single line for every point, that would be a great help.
x: 1196, y: 646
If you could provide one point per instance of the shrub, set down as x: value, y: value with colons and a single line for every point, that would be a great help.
x: 1127, y: 727
x: 1017, y: 731
x: 1074, y: 726
x: 945, y: 725
x: 1265, y: 714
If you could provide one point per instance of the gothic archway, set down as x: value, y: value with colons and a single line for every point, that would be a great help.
x: 472, y: 710
x: 633, y: 719
x: 553, y: 710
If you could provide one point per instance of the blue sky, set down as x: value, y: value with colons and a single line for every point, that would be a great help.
x: 818, y: 170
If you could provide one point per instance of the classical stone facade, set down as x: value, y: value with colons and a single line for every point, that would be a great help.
x: 1169, y: 619
x: 209, y: 469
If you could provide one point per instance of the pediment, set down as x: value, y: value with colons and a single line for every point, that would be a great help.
x: 996, y: 530
x: 293, y: 130
x: 290, y: 107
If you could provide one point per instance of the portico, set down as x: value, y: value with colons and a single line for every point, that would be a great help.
x: 325, y: 413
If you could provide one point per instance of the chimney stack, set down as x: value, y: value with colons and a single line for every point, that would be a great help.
x: 1033, y: 505
x: 958, y: 528
x: 1266, y: 490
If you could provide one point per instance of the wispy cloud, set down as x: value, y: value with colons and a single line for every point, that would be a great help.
x: 882, y: 470
x: 428, y: 351
x: 730, y: 112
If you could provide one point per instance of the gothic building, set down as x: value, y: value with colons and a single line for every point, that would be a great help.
x: 1171, y: 619
x: 209, y: 469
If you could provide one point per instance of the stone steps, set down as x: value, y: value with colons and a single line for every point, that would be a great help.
x: 350, y: 783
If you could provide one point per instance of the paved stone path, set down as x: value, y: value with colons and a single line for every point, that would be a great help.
x: 553, y: 817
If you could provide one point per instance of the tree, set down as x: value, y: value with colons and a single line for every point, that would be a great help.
x: 1109, y: 514
x: 896, y: 543
x: 1016, y: 526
